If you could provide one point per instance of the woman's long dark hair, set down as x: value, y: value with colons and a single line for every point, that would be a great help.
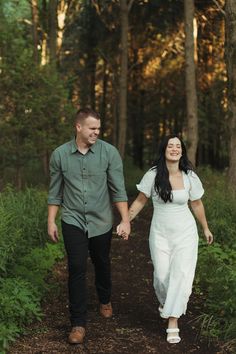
x: 162, y: 184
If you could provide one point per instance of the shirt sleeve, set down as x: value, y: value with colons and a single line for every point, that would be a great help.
x: 56, y: 180
x: 147, y: 182
x: 115, y: 177
x: 196, y: 189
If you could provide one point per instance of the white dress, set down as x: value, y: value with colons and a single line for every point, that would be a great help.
x: 173, y: 242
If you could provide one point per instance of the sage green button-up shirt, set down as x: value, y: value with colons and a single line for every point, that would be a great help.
x: 86, y: 185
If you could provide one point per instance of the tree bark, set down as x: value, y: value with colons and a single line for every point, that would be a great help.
x: 52, y: 8
x: 62, y: 10
x: 104, y: 98
x: 124, y: 8
x: 230, y: 12
x: 190, y: 77
x: 35, y: 22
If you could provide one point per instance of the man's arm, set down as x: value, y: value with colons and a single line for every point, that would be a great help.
x: 123, y: 229
x: 52, y: 227
x: 54, y: 195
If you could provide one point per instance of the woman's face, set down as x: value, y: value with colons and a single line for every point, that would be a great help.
x: 173, y: 150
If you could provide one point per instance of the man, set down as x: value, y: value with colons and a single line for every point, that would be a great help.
x: 86, y: 178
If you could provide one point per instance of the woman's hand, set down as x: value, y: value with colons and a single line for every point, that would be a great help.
x: 209, y: 236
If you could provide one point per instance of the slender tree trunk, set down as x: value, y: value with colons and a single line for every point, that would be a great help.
x: 104, y: 98
x: 44, y: 25
x: 115, y: 119
x: 191, y: 93
x: 35, y: 23
x: 52, y: 17
x: 230, y: 10
x: 63, y: 7
x: 124, y: 8
x: 92, y: 64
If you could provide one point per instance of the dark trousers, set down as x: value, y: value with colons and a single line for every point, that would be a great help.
x: 78, y: 245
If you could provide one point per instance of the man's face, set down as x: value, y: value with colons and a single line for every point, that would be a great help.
x: 88, y: 130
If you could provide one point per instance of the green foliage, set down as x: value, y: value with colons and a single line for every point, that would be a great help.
x: 33, y: 110
x: 8, y: 239
x: 19, y: 306
x: 22, y: 224
x: 219, y: 201
x: 216, y: 270
x: 26, y: 259
x: 20, y: 303
x: 34, y: 106
x: 216, y: 278
x: 133, y: 175
x: 8, y: 333
x: 36, y: 265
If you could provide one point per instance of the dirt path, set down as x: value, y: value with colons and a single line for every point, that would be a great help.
x: 135, y: 327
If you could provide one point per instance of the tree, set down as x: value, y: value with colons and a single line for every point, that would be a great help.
x: 53, y: 26
x: 230, y: 11
x: 124, y: 9
x: 35, y: 25
x: 190, y: 76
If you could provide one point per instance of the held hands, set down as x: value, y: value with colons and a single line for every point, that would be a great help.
x: 53, y: 232
x: 123, y: 230
x: 209, y: 236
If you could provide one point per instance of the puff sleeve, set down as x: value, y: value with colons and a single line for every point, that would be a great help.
x: 196, y: 189
x: 146, y: 184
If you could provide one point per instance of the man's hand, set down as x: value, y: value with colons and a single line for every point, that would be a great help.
x: 53, y: 232
x: 123, y: 229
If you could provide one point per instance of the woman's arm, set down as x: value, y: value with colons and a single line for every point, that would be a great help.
x: 137, y: 205
x: 199, y: 212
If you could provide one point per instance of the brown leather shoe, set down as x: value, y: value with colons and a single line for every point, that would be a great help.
x: 76, y: 335
x: 106, y: 310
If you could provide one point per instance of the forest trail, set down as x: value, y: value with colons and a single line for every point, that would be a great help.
x: 136, y: 326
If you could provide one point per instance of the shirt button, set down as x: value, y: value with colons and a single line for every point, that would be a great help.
x: 85, y: 202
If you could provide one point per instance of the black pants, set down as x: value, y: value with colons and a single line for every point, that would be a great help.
x: 78, y: 245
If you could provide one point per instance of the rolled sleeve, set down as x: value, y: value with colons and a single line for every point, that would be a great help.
x: 115, y: 177
x: 56, y: 180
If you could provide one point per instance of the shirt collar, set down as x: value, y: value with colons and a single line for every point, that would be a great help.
x: 74, y: 146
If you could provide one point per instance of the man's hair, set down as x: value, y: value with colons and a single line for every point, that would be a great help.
x: 84, y: 113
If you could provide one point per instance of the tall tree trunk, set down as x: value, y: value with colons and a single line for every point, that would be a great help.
x: 92, y: 64
x: 124, y: 8
x: 44, y: 25
x: 35, y: 23
x: 191, y: 93
x: 230, y: 11
x: 103, y: 104
x: 52, y: 17
x: 62, y: 10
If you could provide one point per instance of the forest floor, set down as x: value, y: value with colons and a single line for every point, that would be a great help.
x: 135, y: 327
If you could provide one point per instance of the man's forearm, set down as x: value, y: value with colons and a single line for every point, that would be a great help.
x: 52, y: 213
x: 122, y: 207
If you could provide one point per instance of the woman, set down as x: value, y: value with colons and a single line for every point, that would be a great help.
x: 173, y: 238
